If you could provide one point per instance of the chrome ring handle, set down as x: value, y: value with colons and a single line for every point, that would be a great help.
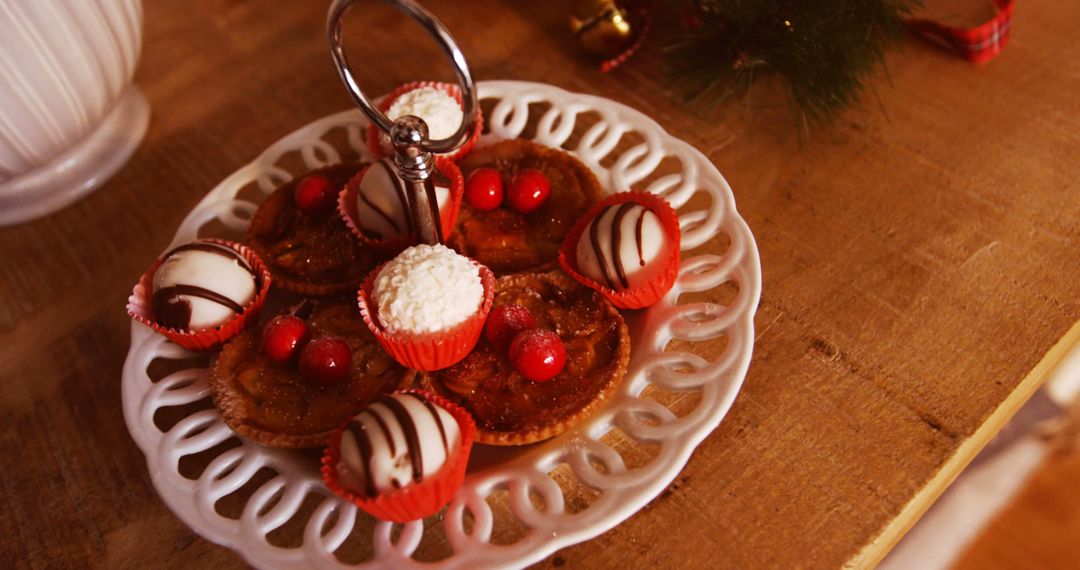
x: 377, y: 117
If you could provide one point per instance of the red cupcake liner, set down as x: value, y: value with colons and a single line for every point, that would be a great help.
x: 140, y: 305
x: 415, y: 501
x: 346, y: 206
x: 429, y: 351
x: 376, y: 140
x: 448, y: 218
x: 635, y: 297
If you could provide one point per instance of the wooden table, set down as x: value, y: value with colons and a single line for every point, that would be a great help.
x: 921, y: 264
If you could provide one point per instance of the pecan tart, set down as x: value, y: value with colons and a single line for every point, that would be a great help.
x: 311, y: 254
x: 275, y: 405
x: 508, y: 241
x: 512, y: 410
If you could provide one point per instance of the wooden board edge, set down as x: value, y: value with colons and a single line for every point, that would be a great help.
x: 874, y: 552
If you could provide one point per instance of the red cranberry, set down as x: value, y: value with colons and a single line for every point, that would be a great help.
x: 538, y: 354
x: 484, y: 189
x: 283, y: 337
x: 529, y: 189
x: 505, y: 322
x: 326, y: 360
x: 314, y: 195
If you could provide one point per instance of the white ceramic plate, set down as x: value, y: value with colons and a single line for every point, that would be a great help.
x: 517, y: 505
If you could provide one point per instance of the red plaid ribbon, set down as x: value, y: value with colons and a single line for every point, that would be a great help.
x: 981, y: 43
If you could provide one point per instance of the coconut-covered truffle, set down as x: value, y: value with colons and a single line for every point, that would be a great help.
x: 426, y: 289
x: 438, y: 109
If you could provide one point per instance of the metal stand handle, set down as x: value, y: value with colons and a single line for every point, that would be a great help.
x: 409, y: 134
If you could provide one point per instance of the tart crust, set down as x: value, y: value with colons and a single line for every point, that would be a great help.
x: 309, y: 255
x: 273, y: 405
x: 507, y: 241
x: 511, y: 410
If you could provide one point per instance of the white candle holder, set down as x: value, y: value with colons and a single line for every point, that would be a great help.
x: 69, y: 115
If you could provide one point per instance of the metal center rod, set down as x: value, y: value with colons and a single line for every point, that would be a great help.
x: 413, y: 149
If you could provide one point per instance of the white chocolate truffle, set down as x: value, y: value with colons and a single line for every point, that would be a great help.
x: 201, y: 285
x: 426, y: 289
x: 624, y: 247
x: 440, y: 111
x: 383, y: 202
x: 398, y: 440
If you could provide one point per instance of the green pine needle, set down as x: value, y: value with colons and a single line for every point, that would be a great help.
x: 823, y: 49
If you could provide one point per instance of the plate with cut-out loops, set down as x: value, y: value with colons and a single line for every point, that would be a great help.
x: 690, y: 354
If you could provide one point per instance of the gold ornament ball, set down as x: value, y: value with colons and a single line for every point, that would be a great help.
x: 601, y: 27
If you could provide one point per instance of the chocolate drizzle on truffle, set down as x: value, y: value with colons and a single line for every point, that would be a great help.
x: 359, y: 434
x: 404, y: 418
x: 409, y: 206
x: 386, y: 433
x: 594, y: 239
x: 172, y: 310
x: 637, y: 235
x: 412, y: 436
x: 438, y: 420
x: 615, y: 242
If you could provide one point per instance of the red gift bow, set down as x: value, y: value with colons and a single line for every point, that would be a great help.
x: 979, y: 44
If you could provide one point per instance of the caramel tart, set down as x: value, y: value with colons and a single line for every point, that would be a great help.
x: 507, y: 241
x: 275, y: 406
x: 311, y: 255
x: 512, y: 410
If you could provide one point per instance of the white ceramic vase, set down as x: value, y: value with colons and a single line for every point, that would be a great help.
x: 69, y: 115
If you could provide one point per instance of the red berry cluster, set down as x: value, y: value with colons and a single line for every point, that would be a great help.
x: 323, y: 361
x: 537, y: 354
x: 528, y: 189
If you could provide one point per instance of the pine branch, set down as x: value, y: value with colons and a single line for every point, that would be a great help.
x: 823, y: 49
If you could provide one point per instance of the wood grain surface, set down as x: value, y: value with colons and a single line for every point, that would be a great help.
x: 920, y: 260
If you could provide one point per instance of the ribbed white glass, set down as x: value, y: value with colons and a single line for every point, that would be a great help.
x: 69, y: 115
